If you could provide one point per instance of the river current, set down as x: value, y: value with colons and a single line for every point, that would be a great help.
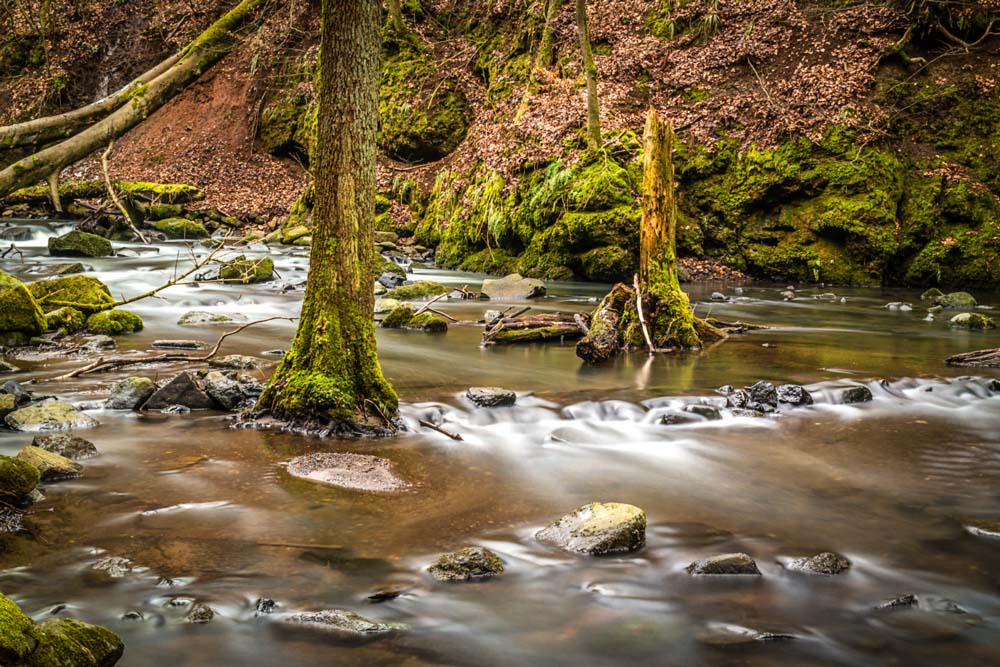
x: 208, y: 513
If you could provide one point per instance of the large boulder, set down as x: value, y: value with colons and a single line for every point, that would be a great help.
x: 597, y: 529
x: 224, y: 389
x: 359, y: 472
x: 65, y: 320
x: 465, y: 564
x: 65, y: 444
x: 58, y: 642
x: 956, y: 300
x: 18, y: 478
x: 114, y: 322
x: 243, y: 270
x: 184, y: 390
x: 85, y: 293
x: 513, y: 287
x: 8, y: 403
x: 737, y: 563
x: 398, y: 317
x: 130, y: 393
x: 427, y: 322
x: 49, y: 416
x: 51, y: 467
x: 79, y: 244
x: 21, y: 317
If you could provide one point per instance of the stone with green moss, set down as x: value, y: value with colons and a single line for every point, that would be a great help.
x: 130, y: 393
x: 972, y: 321
x: 181, y: 228
x: 21, y: 315
x: 465, y: 564
x: 597, y: 529
x: 244, y: 271
x: 398, y: 317
x: 65, y: 320
x: 956, y: 300
x: 383, y: 265
x: 114, y: 322
x: 8, y: 403
x: 18, y: 633
x: 427, y: 322
x: 932, y: 293
x: 290, y: 235
x: 79, y: 244
x: 51, y: 466
x: 385, y: 305
x: 85, y: 293
x: 65, y: 642
x: 49, y: 416
x: 608, y: 264
x: 422, y: 289
x: 17, y: 478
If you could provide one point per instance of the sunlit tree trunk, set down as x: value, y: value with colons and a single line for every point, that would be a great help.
x: 330, y: 381
x: 590, y: 74
x: 396, y: 17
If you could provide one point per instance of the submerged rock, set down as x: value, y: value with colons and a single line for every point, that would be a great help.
x: 859, y: 394
x: 130, y: 393
x: 113, y: 567
x: 51, y: 467
x: 180, y: 344
x: 513, y: 287
x: 58, y: 642
x: 201, y: 317
x: 465, y: 564
x: 340, y: 622
x: 827, y: 563
x: 491, y: 397
x: 359, y: 472
x: 199, y: 613
x: 184, y: 390
x: 79, y: 244
x: 65, y: 444
x: 49, y: 416
x: 972, y: 321
x: 18, y: 478
x: 597, y: 529
x: 735, y: 563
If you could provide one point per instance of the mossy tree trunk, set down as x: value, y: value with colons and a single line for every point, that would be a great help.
x: 590, y: 74
x: 396, y: 17
x: 330, y: 380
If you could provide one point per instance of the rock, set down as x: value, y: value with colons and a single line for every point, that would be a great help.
x: 61, y: 269
x: 737, y: 563
x: 175, y: 410
x: 18, y: 478
x: 932, y: 293
x: 982, y: 527
x: 340, y: 622
x: 859, y: 394
x: 491, y: 397
x: 380, y: 289
x: 901, y: 602
x: 491, y: 316
x: 898, y: 305
x: 11, y: 521
x: 65, y: 320
x: 726, y: 389
x: 956, y: 300
x: 133, y: 615
x: 201, y: 317
x: 597, y: 529
x: 224, y: 390
x: 236, y: 362
x: 58, y: 642
x: 679, y: 418
x: 8, y: 404
x: 513, y: 287
x: 180, y: 228
x: 827, y: 563
x: 794, y: 394
x: 130, y: 393
x: 184, y: 390
x: 199, y: 613
x: 264, y: 606
x: 79, y: 244
x: 65, y: 444
x: 21, y: 317
x: 391, y: 280
x: 85, y: 293
x: 113, y: 567
x: 465, y: 564
x: 360, y: 472
x: 12, y: 388
x: 386, y: 237
x: 423, y: 289
x: 719, y: 297
x: 114, y: 322
x: 762, y: 393
x: 399, y: 317
x: 100, y: 342
x: 385, y: 305
x: 18, y: 234
x: 49, y: 416
x: 708, y: 412
x: 972, y: 321
x: 180, y: 344
x: 727, y: 634
x: 427, y: 322
x: 8, y: 368
x: 51, y: 467
x: 243, y: 270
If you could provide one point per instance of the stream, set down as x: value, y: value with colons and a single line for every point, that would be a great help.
x: 209, y: 514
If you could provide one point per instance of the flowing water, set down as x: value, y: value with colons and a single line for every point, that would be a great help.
x: 210, y: 514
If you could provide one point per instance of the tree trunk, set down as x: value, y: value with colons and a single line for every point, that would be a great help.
x: 590, y: 73
x: 543, y: 56
x: 396, y: 17
x: 198, y: 56
x: 330, y: 381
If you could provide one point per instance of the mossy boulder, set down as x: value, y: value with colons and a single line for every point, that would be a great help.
x: 427, y: 322
x: 422, y: 289
x: 65, y: 320
x: 21, y: 316
x: 58, y: 642
x: 51, y: 466
x: 18, y: 633
x: 932, y: 293
x: 608, y: 264
x: 956, y: 300
x: 181, y: 228
x: 972, y: 321
x: 597, y: 529
x: 289, y: 235
x: 398, y: 317
x: 65, y: 444
x: 465, y: 564
x: 85, y: 293
x: 130, y: 393
x: 79, y: 244
x: 114, y: 322
x: 8, y: 403
x: 49, y: 416
x: 18, y: 478
x: 243, y: 270
x: 385, y: 305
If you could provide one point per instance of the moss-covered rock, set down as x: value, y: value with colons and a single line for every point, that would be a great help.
x: 973, y: 321
x: 383, y: 265
x: 422, y: 289
x: 51, y: 466
x: 85, y: 293
x: 66, y: 642
x: 130, y: 393
x: 114, y: 322
x: 17, y: 479
x: 427, y: 322
x: 65, y: 320
x: 465, y: 564
x: 956, y: 300
x: 49, y: 416
x: 608, y: 264
x: 384, y: 305
x: 21, y: 316
x: 398, y: 317
x: 243, y: 270
x: 18, y: 634
x: 597, y: 529
x: 79, y: 244
x: 181, y: 228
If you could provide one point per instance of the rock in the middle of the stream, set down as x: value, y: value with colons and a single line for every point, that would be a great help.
x: 360, y: 472
x: 597, y: 529
x: 737, y: 563
x: 491, y: 397
x: 184, y: 390
x: 465, y: 564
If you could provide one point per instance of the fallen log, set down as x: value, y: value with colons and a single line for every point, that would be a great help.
x: 557, y: 331
x: 977, y: 359
x: 603, y: 342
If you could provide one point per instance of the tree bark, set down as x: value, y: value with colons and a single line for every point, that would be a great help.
x: 396, y: 17
x: 198, y: 56
x: 590, y: 74
x: 604, y: 339
x: 330, y: 381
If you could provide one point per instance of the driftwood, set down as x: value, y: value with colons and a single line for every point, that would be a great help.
x: 435, y: 427
x: 535, y: 328
x: 602, y: 342
x: 977, y: 359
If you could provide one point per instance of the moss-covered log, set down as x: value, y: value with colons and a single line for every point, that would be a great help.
x: 330, y: 382
x: 604, y: 340
x: 196, y: 57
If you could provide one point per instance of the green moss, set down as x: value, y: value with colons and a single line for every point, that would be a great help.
x: 608, y: 264
x: 422, y: 289
x: 972, y: 321
x: 21, y: 313
x: 18, y: 634
x: 181, y: 228
x: 383, y: 265
x: 79, y: 244
x: 398, y: 317
x: 17, y: 478
x: 243, y: 270
x: 65, y: 320
x: 85, y: 293
x: 161, y: 211
x: 428, y: 322
x: 114, y: 322
x: 66, y: 642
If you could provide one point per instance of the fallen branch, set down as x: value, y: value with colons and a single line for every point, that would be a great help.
x: 427, y: 306
x: 114, y: 194
x: 435, y: 427
x: 977, y: 359
x: 642, y: 319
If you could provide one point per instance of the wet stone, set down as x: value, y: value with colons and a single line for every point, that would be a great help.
x: 827, y: 563
x: 184, y: 390
x: 727, y: 634
x: 340, y: 622
x: 8, y: 368
x: 860, y: 394
x: 491, y: 397
x: 794, y: 394
x: 130, y: 393
x: 202, y: 318
x: 465, y: 564
x: 100, y: 342
x: 597, y: 529
x: 51, y: 467
x: 359, y: 472
x: 901, y: 602
x: 199, y: 613
x: 240, y: 362
x: 709, y: 412
x: 265, y: 606
x: 735, y: 563
x: 513, y: 287
x: 49, y: 416
x: 113, y: 567
x: 390, y: 280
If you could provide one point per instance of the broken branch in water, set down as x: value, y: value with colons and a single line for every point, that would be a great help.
x: 114, y: 195
x: 435, y: 427
x: 642, y: 320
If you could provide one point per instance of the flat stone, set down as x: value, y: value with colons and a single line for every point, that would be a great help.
x: 340, y: 622
x: 130, y: 393
x: 465, y: 564
x: 51, y: 467
x: 860, y: 394
x: 827, y: 563
x: 491, y: 397
x: 65, y: 444
x: 513, y: 287
x: 49, y: 416
x: 359, y: 472
x: 737, y: 563
x: 597, y: 529
x: 183, y: 390
x: 236, y: 361
x: 180, y: 344
x: 202, y: 318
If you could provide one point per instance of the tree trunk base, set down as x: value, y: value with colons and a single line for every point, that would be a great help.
x: 318, y: 427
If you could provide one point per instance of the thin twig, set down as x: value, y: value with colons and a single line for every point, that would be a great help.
x: 642, y: 320
x: 427, y: 305
x: 435, y: 427
x: 114, y: 195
